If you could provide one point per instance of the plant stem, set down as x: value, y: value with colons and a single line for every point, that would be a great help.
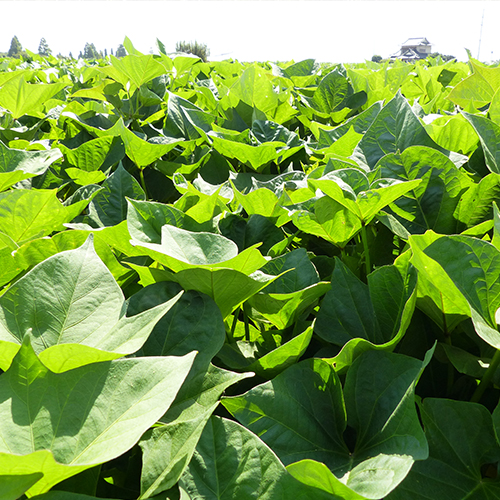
x: 447, y: 338
x: 233, y: 326
x: 487, y: 378
x: 143, y: 183
x: 136, y: 111
x: 247, y: 326
x: 342, y: 255
x: 364, y: 239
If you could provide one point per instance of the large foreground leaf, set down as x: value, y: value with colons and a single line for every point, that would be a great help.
x: 231, y: 463
x: 473, y: 268
x: 71, y: 298
x: 84, y: 416
x: 462, y: 448
x: 300, y: 414
x: 167, y: 449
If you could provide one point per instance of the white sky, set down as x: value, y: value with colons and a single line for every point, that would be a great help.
x: 328, y: 30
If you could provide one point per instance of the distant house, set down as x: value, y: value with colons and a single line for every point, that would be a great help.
x: 413, y: 49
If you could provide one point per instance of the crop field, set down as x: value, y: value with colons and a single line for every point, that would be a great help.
x: 237, y: 281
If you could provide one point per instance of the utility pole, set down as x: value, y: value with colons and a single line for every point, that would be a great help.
x: 480, y: 35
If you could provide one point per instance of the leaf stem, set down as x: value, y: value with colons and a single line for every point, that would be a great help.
x: 447, y: 338
x: 230, y: 337
x: 143, y: 183
x: 247, y: 326
x: 366, y: 252
x: 486, y: 378
x: 137, y: 107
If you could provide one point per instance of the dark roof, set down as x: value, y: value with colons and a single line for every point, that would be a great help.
x: 407, y: 54
x: 416, y: 41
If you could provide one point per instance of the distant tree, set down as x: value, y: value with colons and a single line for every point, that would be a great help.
x: 105, y: 52
x: 444, y: 57
x: 70, y: 55
x: 120, y: 51
x: 90, y: 52
x: 43, y: 48
x: 195, y: 48
x: 111, y: 51
x: 376, y: 58
x: 80, y: 55
x: 16, y: 48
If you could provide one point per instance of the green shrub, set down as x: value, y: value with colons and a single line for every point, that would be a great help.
x: 195, y: 48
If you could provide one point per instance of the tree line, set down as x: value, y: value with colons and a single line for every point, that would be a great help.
x: 90, y: 51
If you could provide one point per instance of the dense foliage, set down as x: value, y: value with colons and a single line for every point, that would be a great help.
x: 196, y: 48
x: 233, y: 280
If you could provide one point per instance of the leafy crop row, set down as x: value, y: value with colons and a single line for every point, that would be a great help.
x: 249, y: 281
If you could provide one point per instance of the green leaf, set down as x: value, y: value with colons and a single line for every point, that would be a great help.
x: 29, y: 214
x: 65, y: 495
x: 186, y: 120
x: 39, y: 464
x: 283, y: 309
x: 254, y: 156
x: 454, y: 133
x: 438, y: 296
x: 256, y: 229
x: 21, y: 98
x: 394, y: 129
x: 254, y: 88
x: 227, y: 287
x: 83, y: 178
x: 477, y: 89
x: 300, y: 414
x: 116, y: 237
x: 181, y: 249
x: 194, y: 322
x: 107, y: 407
x: 374, y: 312
x: 71, y: 298
x: 431, y: 204
x: 476, y: 206
x: 247, y: 356
x: 296, y: 270
x: 473, y: 266
x: 230, y: 462
x: 331, y: 92
x: 462, y: 441
x: 489, y: 136
x: 17, y: 165
x: 109, y: 206
x: 133, y: 70
x: 263, y: 202
x: 366, y: 203
x: 90, y: 155
x: 496, y: 228
x: 381, y: 468
x: 141, y: 152
x: 359, y: 124
x: 168, y: 449
x: 329, y: 219
x: 14, y: 485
